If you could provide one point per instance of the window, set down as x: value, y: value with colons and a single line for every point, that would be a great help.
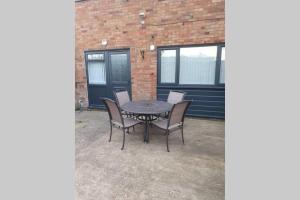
x: 222, y: 68
x: 194, y: 65
x: 96, y: 69
x: 198, y: 65
x: 168, y: 66
x: 119, y: 67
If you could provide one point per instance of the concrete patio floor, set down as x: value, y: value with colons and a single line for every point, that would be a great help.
x: 142, y: 171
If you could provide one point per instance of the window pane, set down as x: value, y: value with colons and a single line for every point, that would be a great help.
x: 119, y: 67
x: 222, y: 69
x: 96, y: 57
x: 168, y: 66
x: 97, y: 72
x: 197, y: 65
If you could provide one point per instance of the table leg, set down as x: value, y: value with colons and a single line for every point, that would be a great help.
x: 146, y: 127
x: 147, y: 122
x: 147, y: 119
x: 146, y: 133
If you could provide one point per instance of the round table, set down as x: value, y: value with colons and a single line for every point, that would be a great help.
x: 145, y: 110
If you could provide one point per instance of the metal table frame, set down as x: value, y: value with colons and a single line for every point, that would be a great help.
x: 147, y: 111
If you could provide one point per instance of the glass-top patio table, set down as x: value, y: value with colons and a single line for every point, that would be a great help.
x: 147, y: 110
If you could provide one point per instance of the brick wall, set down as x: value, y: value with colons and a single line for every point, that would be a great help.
x: 167, y: 22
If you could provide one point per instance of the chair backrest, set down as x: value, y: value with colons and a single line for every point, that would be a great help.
x: 113, y: 110
x: 122, y: 97
x: 177, y: 112
x: 175, y: 97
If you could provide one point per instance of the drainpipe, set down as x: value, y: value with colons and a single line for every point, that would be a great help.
x: 80, y: 105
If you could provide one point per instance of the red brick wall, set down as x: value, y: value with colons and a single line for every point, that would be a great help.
x: 167, y: 22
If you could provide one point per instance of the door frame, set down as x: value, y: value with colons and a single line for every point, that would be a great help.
x: 108, y: 85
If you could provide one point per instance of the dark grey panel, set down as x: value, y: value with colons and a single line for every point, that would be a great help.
x: 95, y: 95
x: 208, y: 102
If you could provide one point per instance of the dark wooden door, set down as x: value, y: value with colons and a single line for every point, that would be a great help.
x: 119, y: 65
x: 106, y: 71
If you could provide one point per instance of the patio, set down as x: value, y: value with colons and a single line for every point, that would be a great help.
x: 147, y: 171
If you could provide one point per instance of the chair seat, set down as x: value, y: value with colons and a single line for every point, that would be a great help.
x: 128, y: 122
x: 163, y: 123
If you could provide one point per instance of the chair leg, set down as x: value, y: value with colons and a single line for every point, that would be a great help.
x: 110, y: 132
x: 167, y: 134
x: 133, y: 129
x: 182, y: 135
x: 123, y: 139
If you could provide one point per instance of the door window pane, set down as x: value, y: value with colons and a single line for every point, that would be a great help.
x: 119, y: 67
x: 168, y: 66
x: 198, y: 65
x: 96, y: 56
x: 96, y: 72
x: 222, y: 68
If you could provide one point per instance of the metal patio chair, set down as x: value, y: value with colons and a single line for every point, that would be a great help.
x: 116, y: 118
x: 173, y: 98
x: 175, y: 120
x: 122, y: 97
